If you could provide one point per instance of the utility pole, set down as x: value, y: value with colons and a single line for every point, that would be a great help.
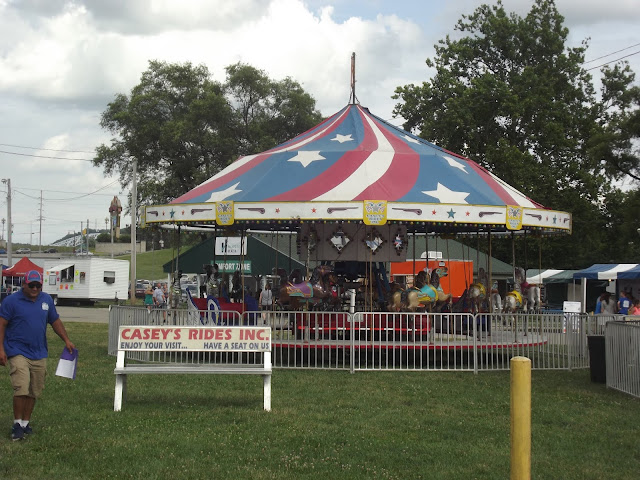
x: 9, y: 227
x: 40, y: 218
x: 87, y: 236
x: 134, y: 219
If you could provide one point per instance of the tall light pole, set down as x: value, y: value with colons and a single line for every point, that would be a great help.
x: 134, y: 222
x: 9, y: 254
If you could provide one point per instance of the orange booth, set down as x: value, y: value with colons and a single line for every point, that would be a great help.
x: 458, y: 280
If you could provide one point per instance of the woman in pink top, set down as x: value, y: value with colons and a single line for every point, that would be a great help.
x: 635, y: 308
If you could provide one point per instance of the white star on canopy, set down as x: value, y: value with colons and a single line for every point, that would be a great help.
x: 455, y: 164
x: 223, y: 194
x: 342, y: 138
x: 411, y: 139
x: 305, y: 157
x: 444, y: 195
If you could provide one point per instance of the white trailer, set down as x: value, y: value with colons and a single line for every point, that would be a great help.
x: 86, y: 279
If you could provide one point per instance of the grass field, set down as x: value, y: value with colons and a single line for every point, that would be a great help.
x: 324, y: 424
x: 149, y: 264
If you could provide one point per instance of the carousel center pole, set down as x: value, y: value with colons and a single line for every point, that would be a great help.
x: 352, y: 97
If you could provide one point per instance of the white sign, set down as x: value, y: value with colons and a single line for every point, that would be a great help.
x: 572, y: 307
x: 225, y: 339
x: 231, y: 246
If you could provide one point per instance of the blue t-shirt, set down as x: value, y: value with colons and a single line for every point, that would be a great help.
x: 625, y: 303
x: 26, y: 332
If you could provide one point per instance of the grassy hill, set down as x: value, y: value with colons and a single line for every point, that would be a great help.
x: 149, y: 264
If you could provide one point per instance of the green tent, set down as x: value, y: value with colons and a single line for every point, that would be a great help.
x: 262, y: 256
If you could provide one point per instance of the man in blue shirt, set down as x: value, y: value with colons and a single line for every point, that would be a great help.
x: 24, y: 316
x: 624, y: 303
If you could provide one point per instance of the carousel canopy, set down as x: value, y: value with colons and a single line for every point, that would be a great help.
x: 355, y: 167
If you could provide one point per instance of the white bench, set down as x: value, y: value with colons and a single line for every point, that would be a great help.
x: 192, y: 339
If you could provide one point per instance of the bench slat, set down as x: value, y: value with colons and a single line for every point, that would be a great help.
x: 203, y: 369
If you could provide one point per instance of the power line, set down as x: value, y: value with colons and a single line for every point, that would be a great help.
x: 48, y: 149
x: 602, y: 56
x: 44, y: 156
x: 67, y: 191
x: 613, y: 61
x: 66, y: 199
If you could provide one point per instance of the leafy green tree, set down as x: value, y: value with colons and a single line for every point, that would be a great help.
x: 508, y: 93
x: 615, y: 143
x: 268, y: 112
x: 182, y: 127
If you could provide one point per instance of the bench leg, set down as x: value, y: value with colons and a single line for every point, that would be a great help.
x: 121, y: 391
x: 266, y: 379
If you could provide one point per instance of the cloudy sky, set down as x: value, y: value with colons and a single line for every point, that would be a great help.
x: 62, y: 61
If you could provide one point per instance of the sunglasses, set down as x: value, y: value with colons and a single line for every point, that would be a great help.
x: 34, y: 285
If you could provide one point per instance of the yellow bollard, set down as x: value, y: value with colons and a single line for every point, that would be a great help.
x: 520, y: 418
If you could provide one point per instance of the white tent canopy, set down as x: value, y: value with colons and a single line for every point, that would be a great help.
x: 539, y: 277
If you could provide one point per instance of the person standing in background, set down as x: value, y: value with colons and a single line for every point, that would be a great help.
x: 148, y: 297
x: 608, y: 306
x: 624, y: 303
x: 265, y: 301
x: 159, y: 300
x: 598, y: 309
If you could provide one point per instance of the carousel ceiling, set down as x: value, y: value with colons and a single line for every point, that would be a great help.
x: 355, y: 167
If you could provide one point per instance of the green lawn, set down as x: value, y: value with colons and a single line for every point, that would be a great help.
x: 149, y: 264
x: 324, y: 424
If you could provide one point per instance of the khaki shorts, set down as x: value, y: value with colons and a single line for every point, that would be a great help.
x: 27, y: 376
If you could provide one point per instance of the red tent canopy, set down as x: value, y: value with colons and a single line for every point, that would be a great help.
x: 20, y: 268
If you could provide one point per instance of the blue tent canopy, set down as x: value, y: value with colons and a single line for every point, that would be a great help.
x: 608, y: 271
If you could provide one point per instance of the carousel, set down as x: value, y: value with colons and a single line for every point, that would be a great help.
x: 352, y: 193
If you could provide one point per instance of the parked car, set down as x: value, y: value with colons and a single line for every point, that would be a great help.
x: 23, y: 250
x: 51, y: 250
x: 2, y: 251
x: 140, y: 289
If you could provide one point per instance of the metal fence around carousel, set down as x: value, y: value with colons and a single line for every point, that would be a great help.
x: 622, y: 356
x: 387, y: 341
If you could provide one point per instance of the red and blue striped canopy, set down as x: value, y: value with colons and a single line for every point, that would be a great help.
x: 354, y: 156
x: 355, y: 167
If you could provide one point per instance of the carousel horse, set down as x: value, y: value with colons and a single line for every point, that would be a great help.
x: 532, y: 297
x: 478, y: 292
x: 425, y: 294
x: 432, y: 292
x: 513, y: 300
x: 394, y: 299
x: 318, y: 289
x: 496, y: 299
x: 477, y: 296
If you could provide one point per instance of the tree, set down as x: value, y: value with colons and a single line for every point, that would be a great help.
x: 510, y: 95
x: 615, y: 143
x: 182, y: 127
x: 268, y: 112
